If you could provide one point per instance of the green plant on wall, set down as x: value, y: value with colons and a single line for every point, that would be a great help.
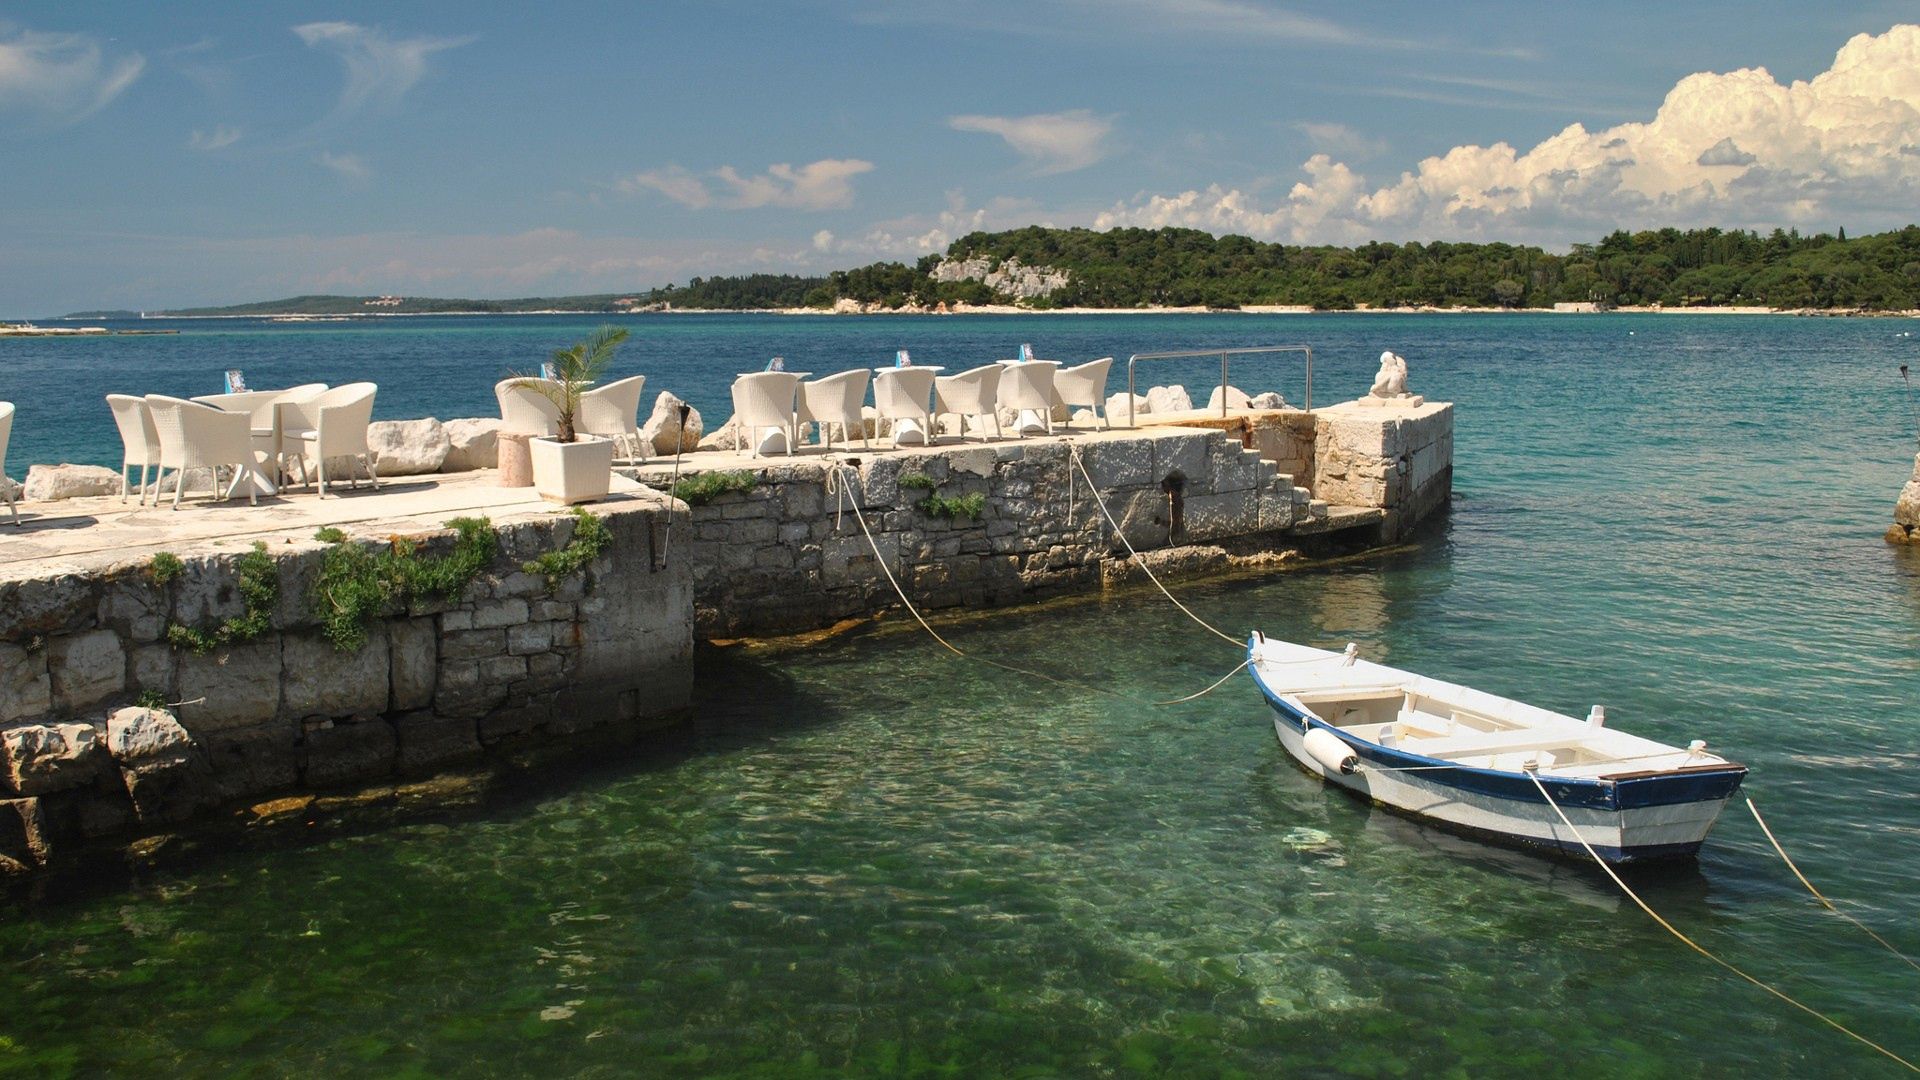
x: 590, y: 537
x: 165, y: 566
x: 259, y: 584
x: 706, y: 487
x: 934, y: 504
x: 356, y: 583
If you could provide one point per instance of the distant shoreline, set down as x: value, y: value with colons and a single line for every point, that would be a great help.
x: 1009, y: 309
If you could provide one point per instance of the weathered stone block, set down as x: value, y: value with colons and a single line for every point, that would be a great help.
x: 42, y: 758
x: 133, y: 605
x: 207, y: 592
x: 164, y: 773
x: 1183, y: 454
x: 55, y: 483
x: 1216, y: 517
x: 471, y: 444
x: 1116, y: 465
x: 152, y: 669
x: 413, y: 648
x: 240, y: 685
x: 254, y: 760
x: 50, y: 605
x: 346, y: 752
x: 26, y: 691
x: 408, y: 447
x: 529, y: 638
x: 321, y: 680
x: 510, y: 612
x: 86, y: 669
x: 426, y: 741
x: 25, y: 840
x: 473, y: 644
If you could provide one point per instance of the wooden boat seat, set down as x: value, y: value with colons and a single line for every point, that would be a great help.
x: 1493, y: 742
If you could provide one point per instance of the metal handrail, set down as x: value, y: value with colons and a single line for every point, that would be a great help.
x: 1190, y: 354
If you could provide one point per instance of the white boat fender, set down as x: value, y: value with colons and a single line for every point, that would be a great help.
x: 1331, y: 751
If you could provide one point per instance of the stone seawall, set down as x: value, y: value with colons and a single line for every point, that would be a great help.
x: 789, y: 554
x: 514, y: 656
x: 1395, y: 457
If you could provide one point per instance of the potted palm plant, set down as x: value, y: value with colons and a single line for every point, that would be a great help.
x: 569, y: 467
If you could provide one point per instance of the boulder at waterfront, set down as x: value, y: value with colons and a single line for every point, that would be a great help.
x: 51, y: 483
x: 166, y: 776
x: 1268, y: 400
x: 1116, y: 408
x: 472, y: 444
x: 1169, y: 399
x: 663, y: 432
x: 1236, y: 399
x: 52, y: 757
x: 722, y: 437
x: 1906, y: 511
x: 408, y: 447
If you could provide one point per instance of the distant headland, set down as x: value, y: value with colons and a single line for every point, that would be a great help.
x: 1040, y: 269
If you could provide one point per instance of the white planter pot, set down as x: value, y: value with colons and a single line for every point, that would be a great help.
x: 573, y: 472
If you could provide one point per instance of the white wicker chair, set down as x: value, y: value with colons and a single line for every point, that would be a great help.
x: 264, y: 413
x: 333, y: 425
x: 902, y: 394
x: 613, y: 410
x: 1028, y: 386
x: 6, y: 434
x: 970, y: 393
x: 524, y: 410
x: 139, y: 441
x: 765, y: 399
x: 196, y: 436
x: 1086, y: 385
x: 837, y: 399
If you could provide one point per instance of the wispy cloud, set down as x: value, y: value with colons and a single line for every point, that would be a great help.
x: 1340, y: 139
x: 61, y: 77
x: 1051, y: 142
x: 219, y: 138
x: 826, y: 184
x: 350, y: 167
x: 380, y: 68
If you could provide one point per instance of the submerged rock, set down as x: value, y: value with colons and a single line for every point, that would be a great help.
x: 165, y: 775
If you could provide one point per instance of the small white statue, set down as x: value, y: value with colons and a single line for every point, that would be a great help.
x: 1390, y: 385
x: 1392, y: 380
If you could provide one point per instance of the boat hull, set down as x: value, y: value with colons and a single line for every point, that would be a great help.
x: 1636, y: 834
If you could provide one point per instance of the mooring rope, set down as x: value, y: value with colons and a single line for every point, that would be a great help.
x: 1702, y: 950
x: 1817, y: 895
x: 840, y: 485
x: 1073, y: 455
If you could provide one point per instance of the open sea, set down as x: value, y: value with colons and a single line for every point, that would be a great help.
x: 867, y: 858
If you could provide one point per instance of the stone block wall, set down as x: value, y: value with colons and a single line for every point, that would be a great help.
x: 789, y: 554
x: 515, y: 656
x: 1395, y: 457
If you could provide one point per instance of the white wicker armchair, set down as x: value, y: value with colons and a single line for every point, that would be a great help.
x: 140, y: 443
x: 613, y: 410
x: 6, y: 435
x: 902, y: 394
x: 765, y: 399
x: 970, y: 393
x: 332, y: 425
x: 1084, y: 384
x: 524, y: 410
x: 837, y: 399
x: 195, y: 436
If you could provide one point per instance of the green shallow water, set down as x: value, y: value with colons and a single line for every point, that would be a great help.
x: 869, y: 858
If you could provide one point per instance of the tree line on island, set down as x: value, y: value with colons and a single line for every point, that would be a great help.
x: 1130, y: 268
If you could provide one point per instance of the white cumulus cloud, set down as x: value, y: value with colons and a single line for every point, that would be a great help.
x: 380, y: 68
x: 64, y: 77
x: 1734, y: 149
x: 826, y: 184
x: 219, y: 138
x: 1051, y: 142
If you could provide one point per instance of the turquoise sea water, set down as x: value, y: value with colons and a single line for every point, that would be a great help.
x: 870, y: 859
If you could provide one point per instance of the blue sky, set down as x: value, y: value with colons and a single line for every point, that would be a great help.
x: 167, y: 155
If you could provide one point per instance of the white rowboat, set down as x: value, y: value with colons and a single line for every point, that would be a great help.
x: 1467, y: 760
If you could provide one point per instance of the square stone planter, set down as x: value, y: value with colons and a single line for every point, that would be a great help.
x: 574, y: 472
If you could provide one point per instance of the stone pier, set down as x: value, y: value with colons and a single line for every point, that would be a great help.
x: 217, y: 614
